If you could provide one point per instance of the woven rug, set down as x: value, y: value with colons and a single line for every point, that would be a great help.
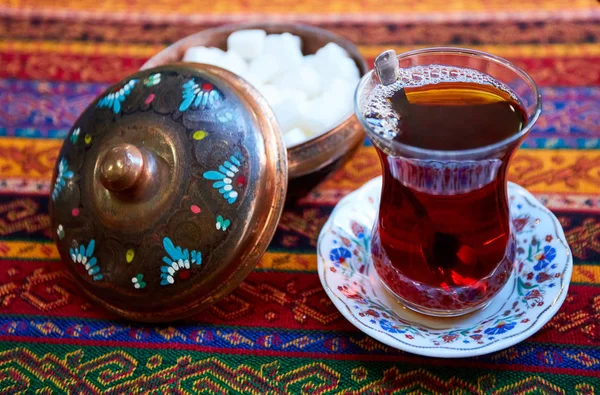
x: 278, y: 333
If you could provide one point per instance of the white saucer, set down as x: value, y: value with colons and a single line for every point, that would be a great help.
x: 532, y: 296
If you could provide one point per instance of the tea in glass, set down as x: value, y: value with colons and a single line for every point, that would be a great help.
x: 445, y: 133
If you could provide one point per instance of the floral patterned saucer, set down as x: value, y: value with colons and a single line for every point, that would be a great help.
x: 532, y: 296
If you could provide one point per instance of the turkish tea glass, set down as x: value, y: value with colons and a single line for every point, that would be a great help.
x: 443, y: 242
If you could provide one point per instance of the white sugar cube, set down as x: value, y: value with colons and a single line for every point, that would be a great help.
x: 309, y: 60
x: 342, y: 90
x: 313, y: 119
x: 332, y: 61
x: 233, y: 62
x: 338, y: 98
x: 252, y: 79
x: 271, y: 93
x: 304, y: 78
x: 286, y: 39
x: 206, y: 55
x: 248, y: 43
x: 288, y: 114
x: 291, y: 94
x: 314, y: 123
x: 329, y: 109
x: 287, y: 49
x: 348, y: 70
x: 310, y: 80
x: 265, y: 68
x: 294, y: 137
x: 332, y: 51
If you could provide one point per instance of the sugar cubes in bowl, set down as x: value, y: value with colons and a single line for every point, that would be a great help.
x: 306, y: 74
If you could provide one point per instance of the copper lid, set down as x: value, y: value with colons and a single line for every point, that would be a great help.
x: 168, y: 190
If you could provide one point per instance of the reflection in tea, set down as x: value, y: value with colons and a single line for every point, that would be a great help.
x: 443, y: 240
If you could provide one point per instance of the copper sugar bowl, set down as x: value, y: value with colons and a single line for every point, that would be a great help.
x: 168, y: 190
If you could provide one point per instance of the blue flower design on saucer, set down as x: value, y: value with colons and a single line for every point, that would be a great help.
x: 501, y: 328
x: 198, y: 96
x: 545, y: 258
x: 113, y: 100
x: 224, y: 177
x: 339, y: 255
x: 63, y: 175
x: 388, y: 327
x: 177, y: 262
x: 85, y: 257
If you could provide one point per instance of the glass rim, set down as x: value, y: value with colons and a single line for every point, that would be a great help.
x: 454, y: 153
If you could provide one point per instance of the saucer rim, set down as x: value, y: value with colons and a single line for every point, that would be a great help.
x: 443, y: 351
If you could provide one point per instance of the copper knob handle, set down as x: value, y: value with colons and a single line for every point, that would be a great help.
x: 121, y: 168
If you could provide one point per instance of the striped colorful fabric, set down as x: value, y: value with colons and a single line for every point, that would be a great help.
x: 278, y: 333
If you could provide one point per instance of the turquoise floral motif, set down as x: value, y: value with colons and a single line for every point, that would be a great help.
x: 226, y: 178
x: 152, y: 80
x: 75, y: 135
x: 113, y: 100
x: 198, y: 96
x: 222, y: 224
x: 63, y: 175
x: 85, y: 257
x: 177, y: 262
x: 138, y: 281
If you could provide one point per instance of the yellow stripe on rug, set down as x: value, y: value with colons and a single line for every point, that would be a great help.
x: 28, y: 250
x: 28, y: 158
x: 368, y: 51
x: 81, y: 48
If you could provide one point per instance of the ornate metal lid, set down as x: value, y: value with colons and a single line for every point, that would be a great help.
x: 168, y: 190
